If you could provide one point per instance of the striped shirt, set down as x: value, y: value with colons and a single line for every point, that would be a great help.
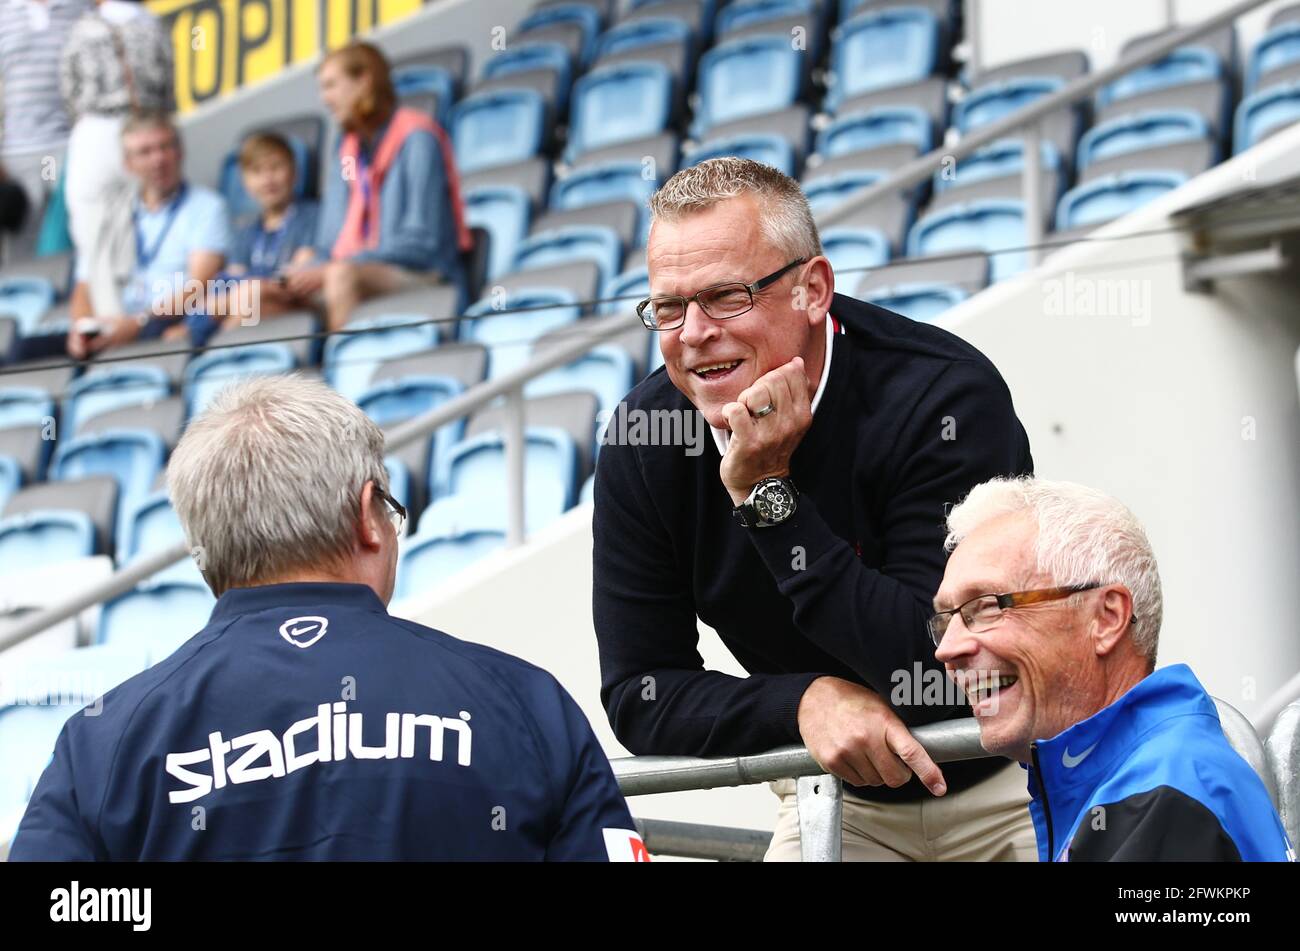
x: 93, y: 80
x: 32, y: 35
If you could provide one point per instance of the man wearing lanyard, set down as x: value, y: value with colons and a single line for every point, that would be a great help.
x: 811, y: 538
x: 180, y: 233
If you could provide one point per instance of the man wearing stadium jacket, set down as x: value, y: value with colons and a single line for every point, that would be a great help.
x: 807, y: 531
x: 1049, y: 617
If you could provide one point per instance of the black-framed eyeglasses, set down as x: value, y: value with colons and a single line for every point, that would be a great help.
x: 983, y: 611
x: 397, y: 511
x: 720, y: 301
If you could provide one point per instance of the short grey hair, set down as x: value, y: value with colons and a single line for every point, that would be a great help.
x: 267, y: 480
x: 785, y: 219
x: 1084, y: 536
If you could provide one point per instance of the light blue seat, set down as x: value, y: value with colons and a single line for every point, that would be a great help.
x: 504, y: 211
x: 988, y: 104
x: 26, y: 299
x: 827, y: 192
x: 880, y: 48
x: 535, y: 56
x: 351, y: 358
x: 993, y: 225
x: 151, y: 526
x: 1144, y: 130
x: 605, y: 370
x: 474, y: 471
x: 895, y: 125
x: 580, y: 15
x: 745, y: 77
x: 1264, y: 113
x: 1187, y: 64
x: 109, y: 388
x: 603, y: 182
x: 638, y: 34
x: 11, y: 478
x: 1278, y: 47
x: 497, y: 127
x: 428, y: 560
x: 743, y: 13
x: 133, y: 457
x: 623, y: 292
x: 919, y: 301
x: 428, y: 78
x: 997, y: 160
x: 27, y: 736
x: 44, y: 537
x: 399, y: 483
x: 209, y: 373
x: 854, y: 249
x: 769, y: 149
x: 570, y: 243
x: 1109, y: 197
x: 24, y: 406
x: 231, y: 181
x: 157, y: 617
x: 389, y: 402
x: 621, y: 102
x: 509, y: 326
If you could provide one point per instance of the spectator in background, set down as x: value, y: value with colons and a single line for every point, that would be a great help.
x: 161, y: 243
x: 118, y: 61
x: 391, y: 217
x: 34, y: 134
x: 264, y: 247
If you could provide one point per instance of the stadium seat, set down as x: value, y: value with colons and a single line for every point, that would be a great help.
x: 8, y: 340
x: 11, y: 478
x: 1186, y: 158
x: 1221, y: 43
x: 969, y: 272
x: 428, y: 559
x: 624, y: 291
x: 1279, y: 47
x: 504, y: 211
x: 618, y: 104
x: 1266, y: 112
x: 580, y: 279
x: 1209, y: 98
x: 626, y: 220
x: 399, y: 487
x: 170, y: 356
x: 769, y: 149
x: 533, y: 60
x: 31, y: 539
x: 152, y: 526
x: 499, y: 127
x: 1067, y: 65
x: 879, y: 161
x: 26, y: 300
x: 853, y: 132
x: 507, y: 326
x: 696, y: 15
x: 426, y: 87
x: 828, y: 191
x: 532, y: 176
x: 1104, y: 199
x: 993, y: 225
x: 133, y: 457
x: 95, y: 497
x: 157, y: 617
x: 574, y: 412
x: 27, y: 446
x: 453, y: 59
x: 166, y: 417
x: 923, y: 302
x: 1187, y: 64
x: 211, y: 372
x: 605, y: 370
x: 298, y: 330
x: 607, y: 182
x: 1139, y: 131
x: 392, y: 401
x: 430, y: 302
x: 466, y: 363
x: 879, y: 48
x: 661, y: 154
x: 668, y: 42
x: 996, y: 171
x: 111, y: 387
x: 575, y: 26
x: 998, y: 100
x: 572, y: 243
x: 747, y: 77
x: 54, y: 268
x: 839, y: 194
x: 853, y: 250
x: 351, y: 358
x: 24, y: 405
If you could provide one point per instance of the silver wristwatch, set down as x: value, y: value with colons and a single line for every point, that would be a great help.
x: 770, y: 503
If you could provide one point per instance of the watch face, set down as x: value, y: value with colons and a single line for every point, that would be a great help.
x: 774, y: 502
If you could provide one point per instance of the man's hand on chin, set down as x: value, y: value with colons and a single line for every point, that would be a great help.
x: 761, y: 447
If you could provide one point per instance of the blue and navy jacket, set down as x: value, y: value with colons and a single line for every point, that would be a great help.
x: 1151, y: 778
x: 305, y: 722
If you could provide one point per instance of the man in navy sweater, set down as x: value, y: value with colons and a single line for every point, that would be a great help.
x: 304, y: 722
x: 811, y: 538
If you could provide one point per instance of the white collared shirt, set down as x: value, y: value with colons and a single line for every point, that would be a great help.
x: 722, y: 437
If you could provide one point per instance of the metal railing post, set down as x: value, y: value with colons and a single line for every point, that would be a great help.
x: 821, y: 817
x: 516, y: 450
x: 1031, y: 191
x: 1283, y: 751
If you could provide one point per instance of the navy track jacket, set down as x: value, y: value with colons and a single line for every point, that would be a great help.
x: 305, y: 722
x: 1152, y: 778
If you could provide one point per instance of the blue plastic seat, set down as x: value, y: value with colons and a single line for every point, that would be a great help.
x: 427, y: 560
x: 584, y: 17
x: 1187, y: 64
x: 231, y: 182
x: 607, y: 371
x: 399, y: 483
x: 1280, y: 46
x: 133, y: 457
x: 603, y: 182
x: 852, y: 250
x: 533, y: 56
x: 919, y: 301
x: 572, y: 243
x: 504, y: 211
x: 26, y: 299
x: 24, y: 406
x: 1264, y: 113
x: 11, y: 479
x: 508, y: 327
x: 880, y: 48
x: 902, y: 125
x: 742, y: 13
x: 1104, y: 199
x: 829, y: 191
x: 760, y: 147
x: 993, y: 225
x: 475, y: 473
x: 209, y: 373
x: 637, y: 34
x: 109, y: 388
x: 46, y: 537
x: 427, y: 78
x: 389, y: 402
x: 621, y: 102
x: 631, y: 287
x: 746, y: 77
x: 988, y: 104
x: 351, y: 358
x: 151, y: 526
x: 497, y: 128
x: 27, y: 736
x: 1144, y: 130
x: 997, y: 160
x: 157, y: 617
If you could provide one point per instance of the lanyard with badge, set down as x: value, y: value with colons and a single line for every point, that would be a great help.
x: 264, y: 255
x: 145, y: 256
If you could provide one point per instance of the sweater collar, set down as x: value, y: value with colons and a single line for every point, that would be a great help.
x: 296, y: 595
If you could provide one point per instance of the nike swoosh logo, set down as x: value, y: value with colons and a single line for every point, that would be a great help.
x: 299, y: 631
x: 1069, y: 762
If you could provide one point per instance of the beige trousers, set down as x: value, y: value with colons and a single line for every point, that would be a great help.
x: 989, y: 822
